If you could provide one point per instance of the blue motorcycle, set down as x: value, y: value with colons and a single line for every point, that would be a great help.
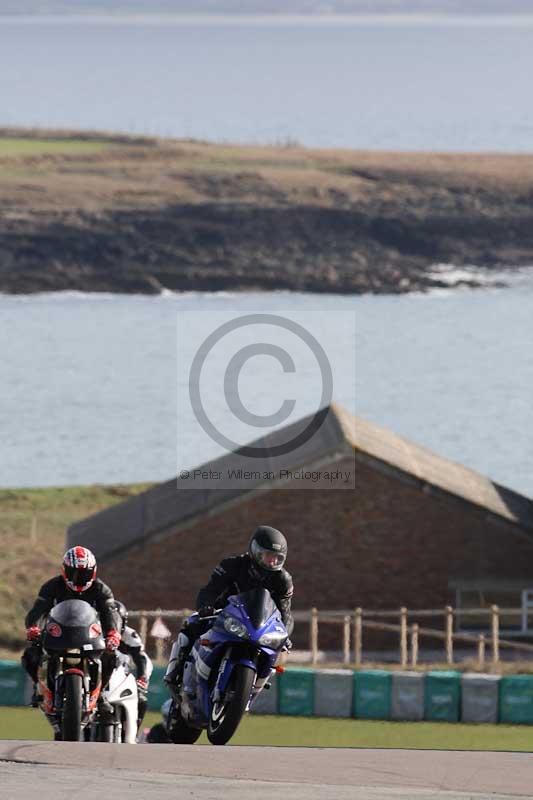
x: 228, y: 666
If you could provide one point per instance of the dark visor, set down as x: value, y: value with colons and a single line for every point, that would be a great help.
x: 79, y: 576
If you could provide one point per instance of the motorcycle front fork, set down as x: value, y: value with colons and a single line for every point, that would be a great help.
x: 217, y: 693
x: 260, y: 683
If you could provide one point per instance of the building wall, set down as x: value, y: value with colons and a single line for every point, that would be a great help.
x: 385, y: 544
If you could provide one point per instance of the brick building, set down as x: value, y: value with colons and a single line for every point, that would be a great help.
x: 417, y: 530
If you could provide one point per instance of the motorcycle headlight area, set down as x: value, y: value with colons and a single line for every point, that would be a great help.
x: 273, y: 639
x: 72, y: 656
x: 236, y: 628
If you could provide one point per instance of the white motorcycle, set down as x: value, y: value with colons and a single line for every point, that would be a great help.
x: 122, y: 694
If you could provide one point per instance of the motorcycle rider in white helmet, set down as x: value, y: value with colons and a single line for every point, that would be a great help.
x: 131, y: 644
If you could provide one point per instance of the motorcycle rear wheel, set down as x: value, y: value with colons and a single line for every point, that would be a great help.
x: 179, y: 732
x: 226, y: 716
x: 71, y: 717
x: 157, y: 734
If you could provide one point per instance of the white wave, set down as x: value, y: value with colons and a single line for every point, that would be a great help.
x: 453, y: 276
x: 67, y: 294
x: 73, y: 294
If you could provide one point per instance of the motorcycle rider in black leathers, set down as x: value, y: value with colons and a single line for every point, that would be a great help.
x: 131, y: 645
x: 77, y: 581
x: 260, y: 567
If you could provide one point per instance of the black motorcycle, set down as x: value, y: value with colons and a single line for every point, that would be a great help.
x: 70, y: 675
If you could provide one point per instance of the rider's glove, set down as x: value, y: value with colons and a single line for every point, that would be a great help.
x: 142, y: 686
x: 288, y: 644
x: 206, y: 611
x: 112, y: 640
x: 33, y: 633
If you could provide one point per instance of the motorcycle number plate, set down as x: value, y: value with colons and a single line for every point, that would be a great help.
x: 88, y: 647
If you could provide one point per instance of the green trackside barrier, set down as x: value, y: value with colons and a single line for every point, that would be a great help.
x: 516, y: 699
x: 442, y: 696
x: 12, y: 684
x: 157, y: 691
x: 297, y: 692
x: 372, y: 694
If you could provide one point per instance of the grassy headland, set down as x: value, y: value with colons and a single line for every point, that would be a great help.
x: 33, y: 523
x: 129, y: 214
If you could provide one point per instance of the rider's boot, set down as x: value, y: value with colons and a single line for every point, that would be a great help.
x: 180, y: 650
x: 105, y: 708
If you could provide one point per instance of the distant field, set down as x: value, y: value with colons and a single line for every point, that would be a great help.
x: 33, y: 523
x: 28, y: 147
x: 25, y: 723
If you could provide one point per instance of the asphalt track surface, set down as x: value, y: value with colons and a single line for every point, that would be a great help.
x: 60, y: 771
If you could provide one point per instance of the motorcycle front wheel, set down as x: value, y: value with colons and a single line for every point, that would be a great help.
x: 71, y: 717
x: 227, y: 714
x: 106, y: 732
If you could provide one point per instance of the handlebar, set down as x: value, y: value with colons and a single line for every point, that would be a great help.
x: 214, y: 615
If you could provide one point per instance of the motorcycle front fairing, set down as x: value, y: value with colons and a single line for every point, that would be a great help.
x: 73, y: 624
x: 122, y: 684
x: 248, y: 631
x: 122, y: 694
x: 72, y: 642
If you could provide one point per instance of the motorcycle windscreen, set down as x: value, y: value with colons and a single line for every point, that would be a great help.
x: 73, y: 624
x: 74, y: 614
x: 259, y: 606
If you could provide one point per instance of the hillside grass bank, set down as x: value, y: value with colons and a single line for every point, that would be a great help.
x: 33, y: 524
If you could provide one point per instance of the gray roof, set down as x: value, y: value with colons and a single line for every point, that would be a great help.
x: 170, y: 505
x: 436, y: 473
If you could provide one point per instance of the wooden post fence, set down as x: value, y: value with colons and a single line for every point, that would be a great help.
x: 481, y: 650
x: 358, y: 636
x: 449, y: 634
x: 346, y: 639
x: 414, y: 644
x: 313, y: 636
x: 394, y: 622
x: 403, y: 636
x: 495, y: 634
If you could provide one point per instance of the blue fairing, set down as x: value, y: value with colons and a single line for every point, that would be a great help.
x: 232, y: 639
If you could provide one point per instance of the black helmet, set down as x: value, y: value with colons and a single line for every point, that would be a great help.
x: 268, y: 548
x: 122, y: 612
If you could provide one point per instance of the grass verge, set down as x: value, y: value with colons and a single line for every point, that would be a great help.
x: 25, y: 723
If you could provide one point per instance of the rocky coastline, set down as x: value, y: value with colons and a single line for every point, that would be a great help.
x: 143, y: 215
